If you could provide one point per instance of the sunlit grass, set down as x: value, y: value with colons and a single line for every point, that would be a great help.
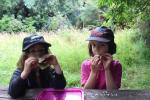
x: 70, y: 48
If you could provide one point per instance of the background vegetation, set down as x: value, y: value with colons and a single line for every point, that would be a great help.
x: 66, y: 24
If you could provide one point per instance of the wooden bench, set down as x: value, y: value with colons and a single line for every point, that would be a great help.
x: 90, y: 94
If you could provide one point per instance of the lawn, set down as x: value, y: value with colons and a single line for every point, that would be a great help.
x: 70, y: 48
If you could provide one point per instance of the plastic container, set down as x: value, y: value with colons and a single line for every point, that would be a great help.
x: 65, y: 94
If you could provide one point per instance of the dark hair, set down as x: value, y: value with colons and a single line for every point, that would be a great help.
x: 111, y: 48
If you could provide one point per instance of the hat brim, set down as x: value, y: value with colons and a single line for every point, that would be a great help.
x: 99, y: 39
x: 32, y: 44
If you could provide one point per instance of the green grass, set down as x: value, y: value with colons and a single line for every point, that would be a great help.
x: 70, y: 48
x: 134, y: 57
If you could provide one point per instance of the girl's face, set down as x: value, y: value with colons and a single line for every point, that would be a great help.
x: 37, y: 50
x: 99, y: 48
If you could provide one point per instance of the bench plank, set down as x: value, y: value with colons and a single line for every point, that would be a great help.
x: 89, y: 94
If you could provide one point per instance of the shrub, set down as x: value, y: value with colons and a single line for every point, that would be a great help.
x: 10, y: 24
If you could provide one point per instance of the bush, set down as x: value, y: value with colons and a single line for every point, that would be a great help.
x: 10, y: 24
x: 28, y: 25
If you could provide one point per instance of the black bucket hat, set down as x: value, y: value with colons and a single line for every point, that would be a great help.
x: 101, y: 34
x: 32, y: 40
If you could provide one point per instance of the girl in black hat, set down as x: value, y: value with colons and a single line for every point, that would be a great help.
x: 37, y: 68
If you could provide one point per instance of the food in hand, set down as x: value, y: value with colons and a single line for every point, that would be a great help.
x: 42, y: 63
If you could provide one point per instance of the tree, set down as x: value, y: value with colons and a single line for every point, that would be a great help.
x: 123, y: 13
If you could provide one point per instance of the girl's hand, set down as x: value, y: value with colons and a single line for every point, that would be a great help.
x: 96, y: 61
x: 30, y: 64
x: 107, y: 59
x: 52, y: 60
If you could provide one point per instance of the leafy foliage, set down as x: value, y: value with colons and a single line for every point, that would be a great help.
x: 129, y: 13
x: 124, y: 13
x: 10, y: 24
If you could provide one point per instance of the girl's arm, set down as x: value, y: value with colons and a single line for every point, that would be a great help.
x: 58, y: 69
x: 110, y: 83
x: 90, y: 84
x: 17, y: 85
x: 95, y: 66
x: 59, y: 81
x: 51, y: 79
x: 18, y: 82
